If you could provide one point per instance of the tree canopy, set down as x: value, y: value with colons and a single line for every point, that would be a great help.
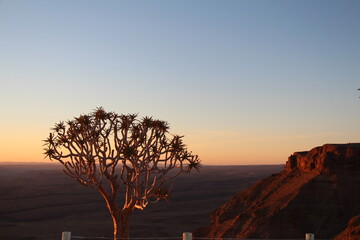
x: 104, y: 151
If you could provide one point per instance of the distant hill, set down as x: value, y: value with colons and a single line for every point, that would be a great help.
x: 317, y: 192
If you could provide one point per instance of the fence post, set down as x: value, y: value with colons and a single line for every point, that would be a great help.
x: 66, y: 236
x: 187, y: 236
x: 309, y: 236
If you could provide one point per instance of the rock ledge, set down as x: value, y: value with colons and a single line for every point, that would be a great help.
x: 328, y: 158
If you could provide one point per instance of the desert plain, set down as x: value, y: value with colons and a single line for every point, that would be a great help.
x: 38, y: 202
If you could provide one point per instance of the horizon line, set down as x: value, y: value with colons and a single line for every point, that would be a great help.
x: 207, y: 165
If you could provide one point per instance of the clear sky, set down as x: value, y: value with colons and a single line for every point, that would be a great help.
x: 246, y: 82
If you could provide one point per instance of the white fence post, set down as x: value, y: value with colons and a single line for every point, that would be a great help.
x: 66, y: 236
x: 187, y: 236
x: 309, y: 236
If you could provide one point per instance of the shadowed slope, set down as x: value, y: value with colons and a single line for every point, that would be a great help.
x: 352, y: 232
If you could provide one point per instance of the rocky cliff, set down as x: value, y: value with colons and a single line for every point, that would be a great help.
x: 317, y: 192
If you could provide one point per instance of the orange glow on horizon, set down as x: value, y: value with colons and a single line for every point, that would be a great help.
x: 214, y: 148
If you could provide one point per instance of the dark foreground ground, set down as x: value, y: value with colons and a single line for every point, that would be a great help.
x: 38, y: 202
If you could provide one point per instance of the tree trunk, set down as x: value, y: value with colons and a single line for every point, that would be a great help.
x: 121, y: 225
x: 120, y: 218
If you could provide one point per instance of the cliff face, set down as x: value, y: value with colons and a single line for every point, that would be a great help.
x: 317, y: 192
x: 329, y: 158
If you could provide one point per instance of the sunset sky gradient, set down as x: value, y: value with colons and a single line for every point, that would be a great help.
x: 246, y: 82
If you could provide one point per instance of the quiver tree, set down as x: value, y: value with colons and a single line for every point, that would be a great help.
x: 110, y: 152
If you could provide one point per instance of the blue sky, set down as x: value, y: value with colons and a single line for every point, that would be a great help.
x: 247, y: 82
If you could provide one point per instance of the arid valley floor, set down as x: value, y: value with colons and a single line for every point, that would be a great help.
x: 38, y: 202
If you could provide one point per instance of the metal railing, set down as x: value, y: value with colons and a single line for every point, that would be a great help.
x: 185, y: 236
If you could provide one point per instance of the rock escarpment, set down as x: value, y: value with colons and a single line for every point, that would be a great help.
x: 327, y: 159
x: 318, y: 191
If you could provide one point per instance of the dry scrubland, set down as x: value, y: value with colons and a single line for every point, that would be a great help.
x: 38, y: 202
